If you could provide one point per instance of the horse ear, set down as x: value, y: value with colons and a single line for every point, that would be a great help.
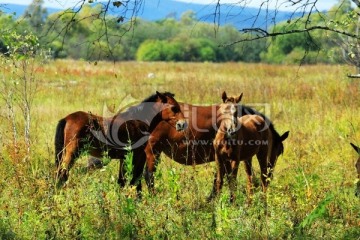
x: 357, y: 149
x: 284, y: 136
x: 238, y: 99
x: 162, y: 97
x: 224, y: 96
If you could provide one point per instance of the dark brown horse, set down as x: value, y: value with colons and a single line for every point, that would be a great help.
x: 194, y: 145
x: 81, y: 131
x: 357, y: 165
x: 239, y: 139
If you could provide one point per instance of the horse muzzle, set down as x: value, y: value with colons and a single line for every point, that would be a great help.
x: 357, y: 188
x: 181, y: 125
x: 230, y: 134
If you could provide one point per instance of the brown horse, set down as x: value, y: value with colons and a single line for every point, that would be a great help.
x: 226, y: 149
x: 239, y: 139
x: 357, y: 165
x: 81, y: 131
x: 194, y: 145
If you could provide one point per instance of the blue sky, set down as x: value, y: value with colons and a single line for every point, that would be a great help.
x: 62, y: 4
x: 47, y: 3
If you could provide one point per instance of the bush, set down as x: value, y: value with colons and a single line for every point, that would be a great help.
x: 150, y: 50
x: 180, y: 49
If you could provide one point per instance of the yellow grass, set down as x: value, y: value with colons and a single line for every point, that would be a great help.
x: 318, y: 104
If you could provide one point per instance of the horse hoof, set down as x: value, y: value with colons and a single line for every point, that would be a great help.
x: 94, y: 163
x: 210, y: 198
x: 121, y: 182
x: 357, y: 189
x: 62, y: 176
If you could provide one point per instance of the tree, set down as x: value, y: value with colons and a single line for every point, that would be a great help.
x: 150, y: 50
x: 126, y: 12
x: 339, y: 26
x: 36, y: 15
x: 348, y: 18
x: 19, y: 86
x: 285, y: 48
x: 188, y: 18
x: 174, y: 51
x: 94, y: 26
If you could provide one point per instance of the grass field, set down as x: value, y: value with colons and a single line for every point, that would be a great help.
x: 310, y: 197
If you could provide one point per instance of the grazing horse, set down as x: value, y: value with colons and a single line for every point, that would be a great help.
x: 239, y: 139
x: 115, y: 136
x: 357, y: 165
x: 194, y: 145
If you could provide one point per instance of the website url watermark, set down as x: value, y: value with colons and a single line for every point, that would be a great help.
x: 203, y: 142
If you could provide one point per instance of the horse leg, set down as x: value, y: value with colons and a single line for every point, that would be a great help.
x: 263, y: 162
x: 213, y: 190
x: 138, y: 169
x: 151, y: 155
x: 67, y: 160
x: 221, y: 170
x: 138, y: 162
x: 218, y: 177
x: 234, y: 167
x: 121, y: 180
x: 249, y: 173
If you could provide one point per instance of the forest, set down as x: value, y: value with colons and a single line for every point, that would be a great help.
x: 99, y: 37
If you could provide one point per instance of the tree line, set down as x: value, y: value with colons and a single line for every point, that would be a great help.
x: 89, y: 34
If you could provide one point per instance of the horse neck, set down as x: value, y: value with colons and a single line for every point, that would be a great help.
x: 201, y: 118
x: 144, y: 112
x: 155, y: 121
x: 272, y: 147
x: 220, y: 138
x: 228, y: 123
x: 149, y: 114
x: 96, y: 122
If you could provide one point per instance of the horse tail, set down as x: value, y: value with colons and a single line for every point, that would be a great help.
x: 59, y: 141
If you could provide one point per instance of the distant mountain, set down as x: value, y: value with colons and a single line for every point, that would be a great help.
x: 240, y: 17
x: 18, y: 10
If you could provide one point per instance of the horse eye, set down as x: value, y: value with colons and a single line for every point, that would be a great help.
x: 175, y: 109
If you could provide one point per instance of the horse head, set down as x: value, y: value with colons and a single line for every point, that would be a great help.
x: 231, y: 99
x: 357, y: 165
x: 227, y: 115
x: 277, y: 149
x: 169, y: 110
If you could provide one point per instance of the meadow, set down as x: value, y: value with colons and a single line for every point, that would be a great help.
x: 310, y: 197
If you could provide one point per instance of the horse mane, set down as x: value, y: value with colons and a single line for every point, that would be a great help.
x: 154, y: 97
x: 138, y: 112
x: 139, y: 108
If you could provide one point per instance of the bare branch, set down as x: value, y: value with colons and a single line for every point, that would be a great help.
x: 260, y: 33
x: 357, y: 2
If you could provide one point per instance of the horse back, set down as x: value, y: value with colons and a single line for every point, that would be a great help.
x: 252, y: 127
x: 254, y: 137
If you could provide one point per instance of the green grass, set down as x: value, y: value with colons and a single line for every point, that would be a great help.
x: 311, y: 195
